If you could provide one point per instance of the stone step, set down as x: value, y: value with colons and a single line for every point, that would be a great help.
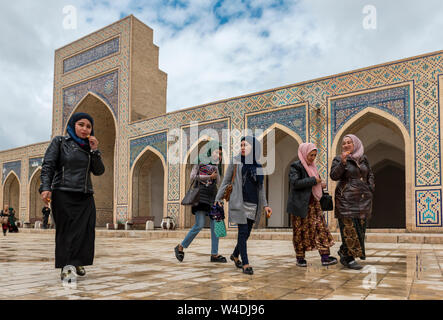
x: 375, y: 237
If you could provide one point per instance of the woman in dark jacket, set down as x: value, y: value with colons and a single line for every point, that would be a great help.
x: 66, y: 181
x: 310, y: 231
x: 353, y: 199
x: 206, y: 172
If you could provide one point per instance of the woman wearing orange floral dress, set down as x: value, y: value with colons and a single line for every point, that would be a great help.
x: 310, y: 231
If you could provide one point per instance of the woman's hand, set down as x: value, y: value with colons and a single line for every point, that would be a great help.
x: 214, y: 175
x: 268, y: 212
x: 46, y: 197
x: 218, y: 203
x: 93, y: 143
x: 323, y: 185
x: 344, y: 156
x: 319, y: 180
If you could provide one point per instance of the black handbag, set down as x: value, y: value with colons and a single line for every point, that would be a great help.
x: 192, y: 197
x: 326, y: 202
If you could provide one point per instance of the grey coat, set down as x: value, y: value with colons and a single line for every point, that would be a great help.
x: 236, y: 205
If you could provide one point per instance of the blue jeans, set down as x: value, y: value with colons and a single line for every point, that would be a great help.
x: 244, y: 231
x: 200, y: 217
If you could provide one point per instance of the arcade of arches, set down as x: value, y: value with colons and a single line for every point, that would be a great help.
x: 113, y: 74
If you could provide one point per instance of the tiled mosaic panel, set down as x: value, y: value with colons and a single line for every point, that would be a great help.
x: 173, y: 210
x: 34, y: 164
x: 15, y: 166
x: 292, y: 118
x: 395, y: 101
x: 106, y: 87
x: 157, y: 141
x: 94, y: 54
x: 122, y: 214
x: 429, y: 210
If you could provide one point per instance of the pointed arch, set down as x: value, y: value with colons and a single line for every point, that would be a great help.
x: 34, y: 195
x: 132, y: 178
x: 12, y: 199
x: 79, y: 104
x: 283, y: 128
x: 370, y: 117
x: 106, y: 130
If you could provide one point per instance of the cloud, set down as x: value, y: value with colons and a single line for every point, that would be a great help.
x: 211, y: 50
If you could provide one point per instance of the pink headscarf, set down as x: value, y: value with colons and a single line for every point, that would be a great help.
x: 358, y: 147
x: 303, y: 150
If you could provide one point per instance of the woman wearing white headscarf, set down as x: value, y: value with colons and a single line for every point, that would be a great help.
x: 353, y: 199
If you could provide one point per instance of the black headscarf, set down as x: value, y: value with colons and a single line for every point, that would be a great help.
x: 251, y: 180
x: 83, y: 143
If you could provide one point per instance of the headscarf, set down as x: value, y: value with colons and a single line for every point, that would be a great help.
x: 83, y: 143
x: 205, y: 155
x: 250, y: 163
x: 303, y: 151
x: 358, y: 147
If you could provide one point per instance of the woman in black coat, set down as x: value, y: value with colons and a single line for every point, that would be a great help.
x: 310, y: 231
x: 66, y: 181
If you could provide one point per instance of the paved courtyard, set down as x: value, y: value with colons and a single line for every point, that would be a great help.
x: 134, y: 268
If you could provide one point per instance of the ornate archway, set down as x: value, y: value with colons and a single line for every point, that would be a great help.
x: 105, y: 129
x: 11, y: 193
x: 148, y: 194
x: 386, y: 143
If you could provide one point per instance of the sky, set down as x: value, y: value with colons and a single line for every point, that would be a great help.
x: 211, y: 50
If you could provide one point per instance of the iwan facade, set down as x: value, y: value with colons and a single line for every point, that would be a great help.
x: 113, y: 74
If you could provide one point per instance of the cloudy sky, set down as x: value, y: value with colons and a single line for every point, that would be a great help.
x: 210, y: 49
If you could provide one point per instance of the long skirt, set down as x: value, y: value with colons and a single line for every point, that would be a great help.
x: 311, y: 233
x: 352, y: 232
x: 74, y: 214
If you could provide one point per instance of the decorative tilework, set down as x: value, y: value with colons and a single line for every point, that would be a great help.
x: 15, y: 166
x: 293, y: 118
x: 122, y: 214
x: 428, y: 208
x: 34, y: 164
x: 395, y: 101
x: 106, y: 87
x: 157, y: 141
x: 91, y: 55
x: 173, y: 210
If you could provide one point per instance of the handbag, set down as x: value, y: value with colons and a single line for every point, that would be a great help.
x: 326, y: 202
x: 228, y: 190
x: 217, y: 213
x: 192, y: 197
x: 220, y: 229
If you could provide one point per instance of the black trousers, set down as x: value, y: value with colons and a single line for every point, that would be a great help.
x: 244, y: 231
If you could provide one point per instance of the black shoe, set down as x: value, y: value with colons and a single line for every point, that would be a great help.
x: 80, y: 271
x: 238, y: 263
x: 180, y: 255
x: 248, y: 270
x: 331, y: 261
x: 302, y: 263
x: 354, y: 265
x: 363, y: 257
x: 219, y: 258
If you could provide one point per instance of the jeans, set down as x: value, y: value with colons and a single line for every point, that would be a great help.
x: 244, y: 231
x: 200, y: 217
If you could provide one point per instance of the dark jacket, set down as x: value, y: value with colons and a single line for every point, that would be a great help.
x: 68, y: 167
x: 300, y: 190
x: 354, y: 192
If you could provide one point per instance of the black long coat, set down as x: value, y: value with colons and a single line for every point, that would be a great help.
x: 355, y: 190
x: 300, y: 190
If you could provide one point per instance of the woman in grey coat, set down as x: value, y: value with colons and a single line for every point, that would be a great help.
x: 247, y: 197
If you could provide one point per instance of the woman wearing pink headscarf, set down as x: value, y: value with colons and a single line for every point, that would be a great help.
x: 353, y: 199
x: 310, y: 231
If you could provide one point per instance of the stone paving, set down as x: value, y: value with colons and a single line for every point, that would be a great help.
x: 134, y: 268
